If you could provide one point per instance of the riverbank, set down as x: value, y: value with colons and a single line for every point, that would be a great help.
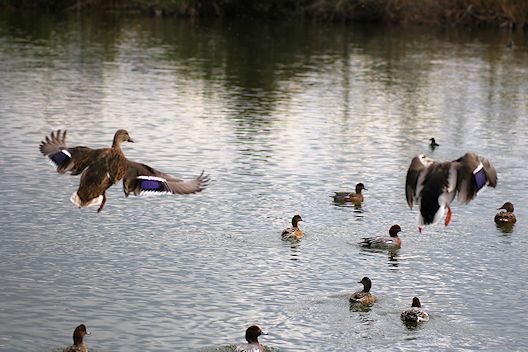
x: 504, y: 13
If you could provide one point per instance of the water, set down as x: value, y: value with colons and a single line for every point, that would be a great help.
x: 280, y: 115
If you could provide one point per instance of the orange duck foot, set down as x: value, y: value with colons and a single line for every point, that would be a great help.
x: 448, y: 216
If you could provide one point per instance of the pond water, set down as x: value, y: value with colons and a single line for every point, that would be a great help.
x: 280, y: 115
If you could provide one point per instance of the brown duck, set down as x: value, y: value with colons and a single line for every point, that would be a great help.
x: 507, y: 216
x: 78, y: 343
x: 101, y: 168
x: 364, y: 296
x: 353, y: 197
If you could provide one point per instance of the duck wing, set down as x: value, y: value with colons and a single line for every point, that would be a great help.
x: 141, y: 179
x: 67, y: 159
x: 413, y: 182
x: 473, y: 173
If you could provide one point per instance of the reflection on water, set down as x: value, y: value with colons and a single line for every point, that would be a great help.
x: 505, y: 228
x: 281, y: 115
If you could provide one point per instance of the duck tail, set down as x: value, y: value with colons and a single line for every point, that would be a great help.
x: 75, y: 199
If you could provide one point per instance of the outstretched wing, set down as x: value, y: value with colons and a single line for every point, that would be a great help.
x: 473, y: 173
x: 64, y: 159
x: 415, y: 176
x: 142, y: 179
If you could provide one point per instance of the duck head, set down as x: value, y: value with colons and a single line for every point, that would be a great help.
x: 253, y: 332
x: 296, y: 219
x: 78, y: 334
x: 359, y: 187
x: 367, y: 284
x: 507, y: 206
x: 393, y: 231
x: 121, y: 136
x: 416, y: 302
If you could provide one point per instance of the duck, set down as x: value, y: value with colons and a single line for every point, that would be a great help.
x: 433, y: 144
x: 415, y: 314
x: 507, y: 216
x: 78, y: 343
x: 391, y: 242
x: 103, y: 167
x: 433, y: 185
x: 293, y: 233
x: 356, y: 197
x: 364, y: 296
x: 252, y: 345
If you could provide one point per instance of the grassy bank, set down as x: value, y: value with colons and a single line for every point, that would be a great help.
x: 507, y: 13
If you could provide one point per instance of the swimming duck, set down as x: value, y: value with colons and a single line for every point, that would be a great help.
x: 364, y: 296
x: 433, y: 185
x: 252, y: 345
x: 356, y: 198
x: 433, y: 144
x: 415, y: 314
x: 101, y: 168
x: 391, y: 242
x: 507, y: 216
x: 293, y: 233
x: 78, y: 344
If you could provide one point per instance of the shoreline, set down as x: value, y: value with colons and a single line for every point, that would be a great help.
x: 508, y: 14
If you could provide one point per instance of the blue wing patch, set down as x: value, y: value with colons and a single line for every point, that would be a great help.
x: 480, y: 177
x: 152, y: 185
x: 60, y: 158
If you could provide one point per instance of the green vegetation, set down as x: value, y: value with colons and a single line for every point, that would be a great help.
x: 508, y: 13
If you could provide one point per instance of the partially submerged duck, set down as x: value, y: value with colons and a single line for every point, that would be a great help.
x: 383, y: 242
x: 507, y: 216
x: 364, y: 296
x: 293, y: 233
x: 415, y: 314
x: 252, y: 345
x: 101, y: 168
x: 353, y: 197
x: 433, y: 144
x: 433, y: 185
x: 78, y: 343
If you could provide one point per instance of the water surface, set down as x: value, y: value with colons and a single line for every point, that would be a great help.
x: 280, y: 115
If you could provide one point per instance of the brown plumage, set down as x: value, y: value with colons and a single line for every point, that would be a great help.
x: 345, y: 197
x: 101, y: 168
x: 293, y: 233
x: 507, y: 216
x: 78, y: 343
x: 364, y: 296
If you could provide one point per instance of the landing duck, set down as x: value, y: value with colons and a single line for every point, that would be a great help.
x: 103, y: 167
x: 252, y: 345
x: 294, y: 232
x: 364, y: 296
x: 383, y: 242
x: 78, y: 343
x: 415, y: 314
x: 352, y: 197
x: 433, y: 185
x: 507, y: 216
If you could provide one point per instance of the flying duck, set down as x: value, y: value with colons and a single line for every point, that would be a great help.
x: 433, y: 185
x: 101, y: 168
x: 293, y: 233
x: 433, y: 144
x: 252, y: 345
x: 356, y: 197
x: 415, y: 314
x: 364, y: 296
x: 78, y: 344
x: 507, y: 216
x: 391, y: 242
